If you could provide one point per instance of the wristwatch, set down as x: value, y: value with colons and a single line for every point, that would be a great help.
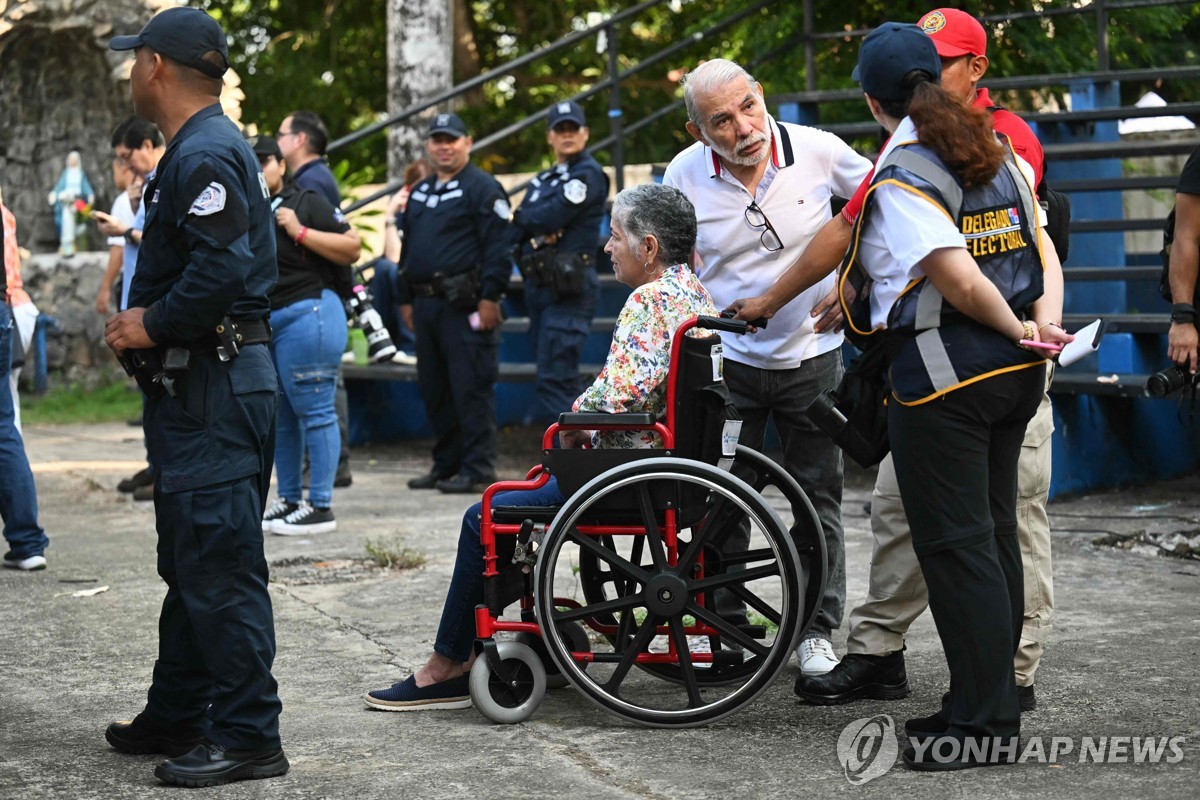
x: 1183, y: 313
x: 128, y: 234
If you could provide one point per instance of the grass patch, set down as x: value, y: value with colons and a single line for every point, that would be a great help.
x: 63, y: 405
x: 392, y: 554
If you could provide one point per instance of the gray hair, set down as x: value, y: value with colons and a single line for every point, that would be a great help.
x: 709, y: 76
x: 663, y: 212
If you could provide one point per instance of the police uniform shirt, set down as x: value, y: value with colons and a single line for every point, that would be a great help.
x: 208, y: 246
x: 902, y: 230
x: 302, y: 273
x: 568, y: 197
x: 457, y: 227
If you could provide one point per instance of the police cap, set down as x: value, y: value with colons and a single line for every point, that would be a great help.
x: 181, y: 34
x: 566, y: 111
x: 449, y: 124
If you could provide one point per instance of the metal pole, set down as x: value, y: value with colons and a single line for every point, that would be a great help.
x: 1101, y: 36
x: 614, y: 107
x: 810, y: 69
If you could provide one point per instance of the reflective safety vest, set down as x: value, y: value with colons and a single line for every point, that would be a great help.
x: 935, y: 348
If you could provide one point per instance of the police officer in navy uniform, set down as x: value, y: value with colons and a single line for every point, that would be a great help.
x: 557, y: 227
x: 455, y: 270
x: 195, y: 336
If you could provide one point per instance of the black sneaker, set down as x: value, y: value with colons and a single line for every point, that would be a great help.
x: 1026, y: 698
x: 277, y: 511
x: 143, y: 478
x: 304, y: 520
x: 426, y: 481
x: 343, y: 478
x: 464, y: 484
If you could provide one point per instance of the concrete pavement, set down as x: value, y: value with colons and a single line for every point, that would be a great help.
x: 1122, y: 661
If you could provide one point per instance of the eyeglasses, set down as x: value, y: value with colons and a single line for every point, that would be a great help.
x: 757, y: 219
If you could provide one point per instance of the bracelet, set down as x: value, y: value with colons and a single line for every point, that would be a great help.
x: 1029, y: 333
x: 300, y: 236
x: 1045, y: 325
x: 1183, y: 313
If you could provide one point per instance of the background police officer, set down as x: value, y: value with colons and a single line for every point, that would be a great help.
x: 455, y: 271
x: 207, y: 260
x: 558, y: 227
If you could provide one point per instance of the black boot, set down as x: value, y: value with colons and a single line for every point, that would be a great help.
x: 138, y: 737
x: 211, y: 764
x: 857, y: 677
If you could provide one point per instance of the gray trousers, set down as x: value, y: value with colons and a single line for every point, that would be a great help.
x: 809, y: 456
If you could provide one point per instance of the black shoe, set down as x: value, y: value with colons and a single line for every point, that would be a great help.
x: 343, y: 478
x: 137, y: 737
x: 1026, y: 698
x: 427, y: 481
x: 857, y: 677
x: 143, y: 478
x: 463, y: 484
x: 211, y: 764
x: 143, y: 494
x: 929, y: 762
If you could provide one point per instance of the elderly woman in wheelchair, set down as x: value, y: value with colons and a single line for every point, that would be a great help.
x: 624, y: 524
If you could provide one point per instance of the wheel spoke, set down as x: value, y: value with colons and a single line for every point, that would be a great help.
x: 748, y: 556
x: 728, y: 629
x: 653, y: 531
x: 645, y: 633
x: 685, y: 662
x: 731, y: 578
x: 608, y: 556
x: 714, y: 520
x: 757, y: 603
x: 596, y: 609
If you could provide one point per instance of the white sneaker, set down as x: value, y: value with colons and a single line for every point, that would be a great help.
x: 304, y: 520
x: 401, y: 357
x: 348, y: 357
x: 816, y: 657
x: 27, y: 564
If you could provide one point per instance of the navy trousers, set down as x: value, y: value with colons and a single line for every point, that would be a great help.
x: 213, y: 445
x: 558, y: 332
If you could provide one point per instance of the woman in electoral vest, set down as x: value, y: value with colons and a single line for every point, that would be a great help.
x: 948, y: 246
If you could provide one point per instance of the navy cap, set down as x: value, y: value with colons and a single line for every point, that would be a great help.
x: 889, y: 53
x: 566, y: 111
x: 449, y: 124
x: 183, y: 35
x: 264, y: 146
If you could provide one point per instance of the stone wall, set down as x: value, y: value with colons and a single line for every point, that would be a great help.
x: 62, y: 90
x: 66, y: 288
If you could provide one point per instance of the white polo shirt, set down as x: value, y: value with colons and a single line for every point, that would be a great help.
x: 812, y: 166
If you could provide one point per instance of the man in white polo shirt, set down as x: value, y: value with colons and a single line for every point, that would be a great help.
x: 762, y: 189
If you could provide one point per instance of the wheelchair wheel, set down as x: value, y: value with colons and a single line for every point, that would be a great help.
x: 763, y: 473
x: 655, y: 602
x: 576, y: 638
x: 512, y: 693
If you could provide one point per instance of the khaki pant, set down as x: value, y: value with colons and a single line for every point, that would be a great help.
x: 897, y: 593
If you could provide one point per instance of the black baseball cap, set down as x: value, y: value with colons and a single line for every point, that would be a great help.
x: 890, y: 52
x: 566, y: 111
x: 264, y: 146
x: 183, y: 35
x: 449, y: 124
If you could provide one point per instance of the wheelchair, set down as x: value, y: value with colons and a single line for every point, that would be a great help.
x: 627, y: 590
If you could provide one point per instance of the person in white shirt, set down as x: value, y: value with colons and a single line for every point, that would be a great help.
x: 762, y: 190
x: 123, y: 214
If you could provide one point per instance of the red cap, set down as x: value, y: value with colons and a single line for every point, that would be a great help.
x: 954, y: 33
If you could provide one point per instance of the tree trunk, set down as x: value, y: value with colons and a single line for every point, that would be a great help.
x: 420, y: 65
x: 466, y: 52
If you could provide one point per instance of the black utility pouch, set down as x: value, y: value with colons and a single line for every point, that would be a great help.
x: 537, y: 267
x: 462, y: 291
x: 146, y: 367
x: 570, y: 273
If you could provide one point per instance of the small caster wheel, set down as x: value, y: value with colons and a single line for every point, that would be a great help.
x: 513, y: 692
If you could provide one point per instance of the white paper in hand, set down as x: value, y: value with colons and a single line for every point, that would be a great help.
x: 1087, y: 341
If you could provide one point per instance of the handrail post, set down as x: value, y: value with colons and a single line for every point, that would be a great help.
x: 1101, y: 36
x: 614, y: 105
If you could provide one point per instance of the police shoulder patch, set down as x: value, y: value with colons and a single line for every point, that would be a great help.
x: 502, y: 209
x: 575, y: 191
x: 210, y: 201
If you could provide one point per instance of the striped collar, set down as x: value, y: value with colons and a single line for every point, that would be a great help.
x: 782, y: 154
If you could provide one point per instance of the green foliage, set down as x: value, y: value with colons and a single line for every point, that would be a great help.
x: 65, y: 405
x: 330, y: 57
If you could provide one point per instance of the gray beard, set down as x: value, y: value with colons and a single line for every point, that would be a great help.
x: 731, y: 156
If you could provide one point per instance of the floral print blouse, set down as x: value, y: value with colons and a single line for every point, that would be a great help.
x: 634, y: 376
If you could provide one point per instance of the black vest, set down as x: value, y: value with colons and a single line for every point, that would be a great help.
x: 936, y: 348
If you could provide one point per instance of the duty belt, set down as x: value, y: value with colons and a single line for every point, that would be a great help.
x: 424, y: 289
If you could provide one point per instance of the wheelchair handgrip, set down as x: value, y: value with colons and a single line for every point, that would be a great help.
x: 727, y: 323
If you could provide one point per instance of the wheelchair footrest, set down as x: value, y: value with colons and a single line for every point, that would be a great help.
x: 728, y: 658
x: 754, y: 631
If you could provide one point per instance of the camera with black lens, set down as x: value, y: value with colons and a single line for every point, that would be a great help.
x: 379, y: 342
x: 1171, y: 379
